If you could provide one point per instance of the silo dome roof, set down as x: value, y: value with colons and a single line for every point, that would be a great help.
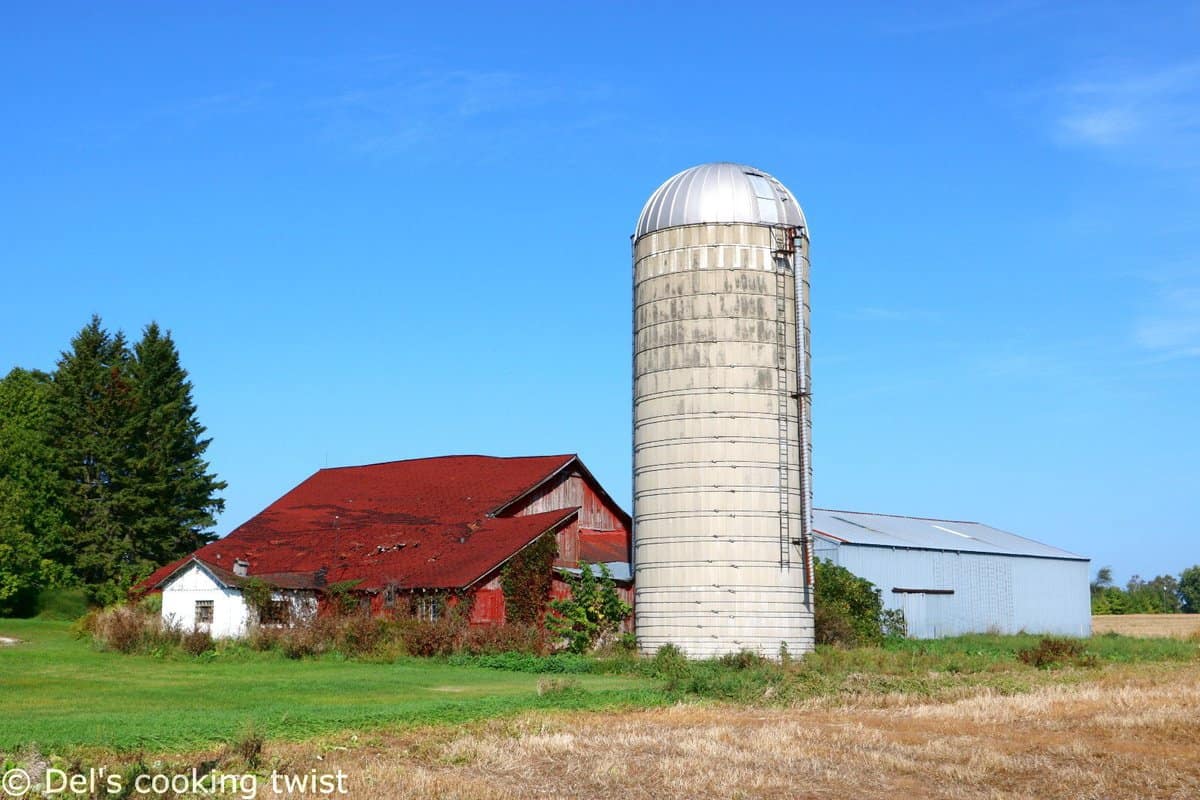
x: 719, y: 192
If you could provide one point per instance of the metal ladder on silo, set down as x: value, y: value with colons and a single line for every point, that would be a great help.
x: 783, y: 248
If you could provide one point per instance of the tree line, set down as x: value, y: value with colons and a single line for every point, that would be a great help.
x: 1165, y: 594
x: 102, y: 469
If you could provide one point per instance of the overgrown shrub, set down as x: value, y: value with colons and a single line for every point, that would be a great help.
x: 832, y: 626
x: 196, y: 642
x: 301, y: 643
x: 128, y: 629
x: 1057, y: 652
x: 358, y: 635
x: 745, y: 676
x: 310, y: 637
x: 743, y: 659
x: 671, y: 665
x: 249, y: 745
x: 848, y: 609
x: 264, y: 638
x: 509, y: 638
x: 593, y: 612
x: 438, y: 638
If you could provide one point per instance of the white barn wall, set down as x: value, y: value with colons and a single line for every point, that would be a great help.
x: 231, y: 615
x: 1002, y: 593
x: 179, y: 597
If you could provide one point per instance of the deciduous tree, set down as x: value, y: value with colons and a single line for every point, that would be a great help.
x: 1189, y: 589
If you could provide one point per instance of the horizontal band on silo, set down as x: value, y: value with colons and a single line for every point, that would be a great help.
x: 747, y: 307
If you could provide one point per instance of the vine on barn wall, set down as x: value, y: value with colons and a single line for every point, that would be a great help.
x: 342, y: 598
x: 257, y: 595
x: 526, y: 580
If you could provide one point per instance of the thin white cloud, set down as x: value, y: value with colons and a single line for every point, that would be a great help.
x: 422, y: 108
x: 1153, y: 114
x: 1171, y: 329
x: 1104, y: 127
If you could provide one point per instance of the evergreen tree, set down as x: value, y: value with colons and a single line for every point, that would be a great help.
x: 175, y: 496
x: 102, y: 470
x: 90, y: 432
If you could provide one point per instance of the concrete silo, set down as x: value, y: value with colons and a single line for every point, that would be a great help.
x: 722, y: 499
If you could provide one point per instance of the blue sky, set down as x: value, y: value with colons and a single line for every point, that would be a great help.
x: 381, y: 231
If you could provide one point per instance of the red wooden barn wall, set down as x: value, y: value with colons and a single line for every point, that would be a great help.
x: 596, y: 515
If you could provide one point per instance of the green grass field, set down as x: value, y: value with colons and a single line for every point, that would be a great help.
x: 59, y: 692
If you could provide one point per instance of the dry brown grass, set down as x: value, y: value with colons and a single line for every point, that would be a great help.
x: 1130, y: 733
x: 1178, y: 626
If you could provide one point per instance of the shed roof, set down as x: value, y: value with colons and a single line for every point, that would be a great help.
x: 927, y: 533
x: 422, y: 523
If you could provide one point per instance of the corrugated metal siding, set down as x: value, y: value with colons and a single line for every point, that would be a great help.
x: 1005, y: 594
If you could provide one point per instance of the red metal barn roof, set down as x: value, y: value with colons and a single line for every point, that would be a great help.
x: 603, y: 546
x: 424, y: 523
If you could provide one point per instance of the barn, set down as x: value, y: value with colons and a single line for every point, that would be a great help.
x: 951, y: 577
x: 416, y: 536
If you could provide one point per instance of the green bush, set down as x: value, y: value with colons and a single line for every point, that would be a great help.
x: 151, y: 603
x: 849, y: 609
x: 592, y: 613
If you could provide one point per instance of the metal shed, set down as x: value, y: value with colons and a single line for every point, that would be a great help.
x: 951, y: 577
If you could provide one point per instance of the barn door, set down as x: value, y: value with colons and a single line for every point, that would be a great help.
x: 915, y: 619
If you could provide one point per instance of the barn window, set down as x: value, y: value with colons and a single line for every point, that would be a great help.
x: 204, y: 612
x: 429, y: 607
x: 275, y: 612
x: 389, y: 596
